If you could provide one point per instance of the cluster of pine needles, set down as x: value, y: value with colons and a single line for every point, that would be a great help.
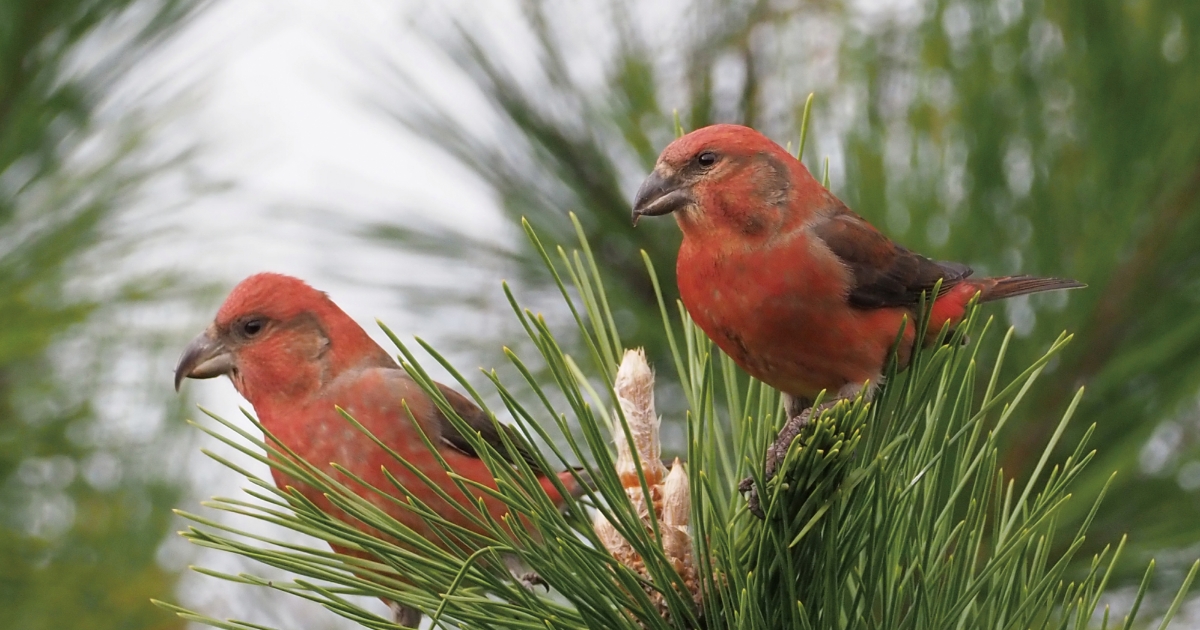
x: 890, y: 514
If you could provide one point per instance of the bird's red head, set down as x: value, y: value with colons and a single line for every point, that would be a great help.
x: 726, y: 178
x: 277, y: 336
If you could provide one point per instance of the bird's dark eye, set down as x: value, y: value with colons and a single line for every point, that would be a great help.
x: 253, y: 326
x: 706, y: 159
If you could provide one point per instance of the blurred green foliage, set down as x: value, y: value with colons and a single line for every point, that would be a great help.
x: 80, y: 519
x: 1017, y: 136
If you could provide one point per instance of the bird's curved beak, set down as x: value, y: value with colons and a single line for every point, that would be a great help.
x: 660, y: 195
x: 204, y: 357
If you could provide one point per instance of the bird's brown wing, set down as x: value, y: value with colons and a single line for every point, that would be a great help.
x: 488, y: 430
x: 885, y: 274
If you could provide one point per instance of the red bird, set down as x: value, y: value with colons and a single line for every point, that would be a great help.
x: 800, y: 291
x: 295, y: 355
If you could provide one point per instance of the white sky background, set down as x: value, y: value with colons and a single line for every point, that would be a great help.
x: 281, y: 108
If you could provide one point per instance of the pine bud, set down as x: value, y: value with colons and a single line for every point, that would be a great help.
x: 635, y: 392
x: 676, y: 514
x: 612, y: 540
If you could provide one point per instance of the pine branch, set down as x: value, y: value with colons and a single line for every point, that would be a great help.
x: 889, y: 513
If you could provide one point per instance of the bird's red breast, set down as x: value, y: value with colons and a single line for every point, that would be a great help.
x: 780, y: 312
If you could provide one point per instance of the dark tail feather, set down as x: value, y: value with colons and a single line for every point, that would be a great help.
x: 1011, y: 286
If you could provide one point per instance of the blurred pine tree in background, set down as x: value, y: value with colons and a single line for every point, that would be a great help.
x: 1017, y: 136
x: 83, y: 511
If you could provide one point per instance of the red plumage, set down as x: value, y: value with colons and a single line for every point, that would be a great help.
x: 296, y: 356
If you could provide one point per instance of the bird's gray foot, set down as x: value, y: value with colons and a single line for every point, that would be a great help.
x: 531, y: 580
x: 800, y: 412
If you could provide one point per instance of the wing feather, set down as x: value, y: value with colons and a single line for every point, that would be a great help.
x: 488, y: 430
x: 885, y: 274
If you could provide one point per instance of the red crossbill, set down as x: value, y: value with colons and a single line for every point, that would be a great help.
x: 796, y: 288
x: 296, y: 357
